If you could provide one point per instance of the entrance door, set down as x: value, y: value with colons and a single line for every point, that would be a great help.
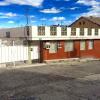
x: 35, y: 52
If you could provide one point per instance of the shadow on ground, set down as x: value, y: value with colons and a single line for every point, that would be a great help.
x: 26, y: 85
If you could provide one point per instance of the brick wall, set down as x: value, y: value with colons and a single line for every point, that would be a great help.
x: 76, y: 53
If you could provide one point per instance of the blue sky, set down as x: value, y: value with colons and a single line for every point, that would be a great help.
x: 46, y: 12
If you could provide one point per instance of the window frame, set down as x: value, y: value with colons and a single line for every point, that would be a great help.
x: 96, y: 31
x: 64, y: 31
x: 89, y: 31
x: 81, y: 31
x: 81, y: 45
x: 41, y: 30
x: 54, y: 49
x: 73, y: 31
x: 69, y: 46
x: 90, y: 42
x: 53, y: 30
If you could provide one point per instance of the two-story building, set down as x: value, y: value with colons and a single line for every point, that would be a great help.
x: 42, y: 43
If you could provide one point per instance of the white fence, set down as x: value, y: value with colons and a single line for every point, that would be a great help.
x: 13, y: 53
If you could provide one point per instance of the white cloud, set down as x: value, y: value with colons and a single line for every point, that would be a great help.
x: 95, y: 7
x: 33, y: 21
x: 35, y: 3
x: 58, y: 19
x: 32, y: 16
x: 43, y: 19
x: 11, y: 22
x: 2, y: 3
x: 8, y: 15
x: 52, y: 10
x: 67, y: 22
x: 73, y: 8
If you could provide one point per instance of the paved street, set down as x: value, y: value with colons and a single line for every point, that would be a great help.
x: 62, y: 81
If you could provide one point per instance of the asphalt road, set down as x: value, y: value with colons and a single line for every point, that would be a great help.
x: 62, y: 81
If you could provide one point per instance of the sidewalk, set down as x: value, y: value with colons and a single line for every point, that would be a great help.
x: 23, y: 66
x: 71, y: 61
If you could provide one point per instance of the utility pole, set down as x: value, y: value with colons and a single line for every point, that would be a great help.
x: 27, y: 29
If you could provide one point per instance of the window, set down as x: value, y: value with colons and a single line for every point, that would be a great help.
x: 91, y: 44
x: 82, y: 31
x: 41, y: 30
x: 82, y: 45
x: 73, y: 31
x: 79, y: 23
x: 64, y: 30
x: 28, y: 30
x: 53, y: 30
x: 69, y: 46
x: 83, y: 23
x: 96, y: 31
x: 89, y: 31
x: 53, y: 47
x: 8, y: 34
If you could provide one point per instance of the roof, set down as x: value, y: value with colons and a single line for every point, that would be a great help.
x: 95, y: 20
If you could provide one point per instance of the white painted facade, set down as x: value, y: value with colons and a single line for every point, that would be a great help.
x: 47, y: 36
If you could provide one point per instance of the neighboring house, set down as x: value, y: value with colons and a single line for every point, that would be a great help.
x: 87, y: 22
x: 44, y: 43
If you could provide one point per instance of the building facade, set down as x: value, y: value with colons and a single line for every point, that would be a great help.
x: 43, y: 43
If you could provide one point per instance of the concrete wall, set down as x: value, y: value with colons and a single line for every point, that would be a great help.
x: 14, y: 32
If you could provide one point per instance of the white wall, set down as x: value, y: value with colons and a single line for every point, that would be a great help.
x: 59, y: 37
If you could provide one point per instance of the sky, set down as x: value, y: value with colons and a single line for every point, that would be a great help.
x: 45, y: 12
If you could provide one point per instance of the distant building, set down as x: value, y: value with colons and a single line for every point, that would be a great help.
x: 87, y: 22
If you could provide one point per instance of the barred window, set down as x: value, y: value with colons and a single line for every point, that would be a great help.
x: 73, y: 31
x: 69, y: 46
x: 53, y: 47
x: 96, y: 31
x: 91, y: 44
x: 53, y: 30
x: 82, y: 45
x: 7, y: 34
x: 64, y: 30
x: 89, y: 31
x: 82, y: 31
x: 41, y: 30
